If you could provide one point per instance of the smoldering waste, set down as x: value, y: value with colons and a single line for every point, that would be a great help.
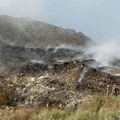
x: 62, y: 85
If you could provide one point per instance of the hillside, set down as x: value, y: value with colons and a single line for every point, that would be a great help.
x: 44, y: 66
x: 29, y: 33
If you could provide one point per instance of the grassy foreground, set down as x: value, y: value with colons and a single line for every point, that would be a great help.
x: 99, y: 107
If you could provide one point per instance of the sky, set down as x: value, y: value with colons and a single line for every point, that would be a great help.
x: 98, y: 19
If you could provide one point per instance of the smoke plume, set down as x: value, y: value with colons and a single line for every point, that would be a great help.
x: 105, y: 53
x: 24, y: 8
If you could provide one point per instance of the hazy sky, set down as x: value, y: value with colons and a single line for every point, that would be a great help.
x: 98, y: 19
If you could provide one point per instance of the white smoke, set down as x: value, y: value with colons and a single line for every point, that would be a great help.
x: 37, y: 61
x: 24, y: 8
x: 105, y: 53
x: 68, y: 46
x: 82, y: 75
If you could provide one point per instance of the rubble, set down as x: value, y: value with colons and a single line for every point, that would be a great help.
x: 48, y: 73
x: 56, y: 85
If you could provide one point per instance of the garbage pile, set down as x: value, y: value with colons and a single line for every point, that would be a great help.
x: 63, y: 85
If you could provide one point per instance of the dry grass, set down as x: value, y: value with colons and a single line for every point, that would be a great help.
x: 5, y: 96
x: 18, y: 114
x: 95, y: 108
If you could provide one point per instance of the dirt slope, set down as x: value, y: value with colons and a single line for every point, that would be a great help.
x: 30, y: 33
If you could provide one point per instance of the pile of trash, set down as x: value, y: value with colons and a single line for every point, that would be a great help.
x: 63, y: 85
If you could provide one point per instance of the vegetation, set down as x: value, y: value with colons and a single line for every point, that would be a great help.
x: 99, y: 107
x: 6, y: 96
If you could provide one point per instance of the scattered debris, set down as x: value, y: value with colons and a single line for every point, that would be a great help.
x: 62, y: 85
